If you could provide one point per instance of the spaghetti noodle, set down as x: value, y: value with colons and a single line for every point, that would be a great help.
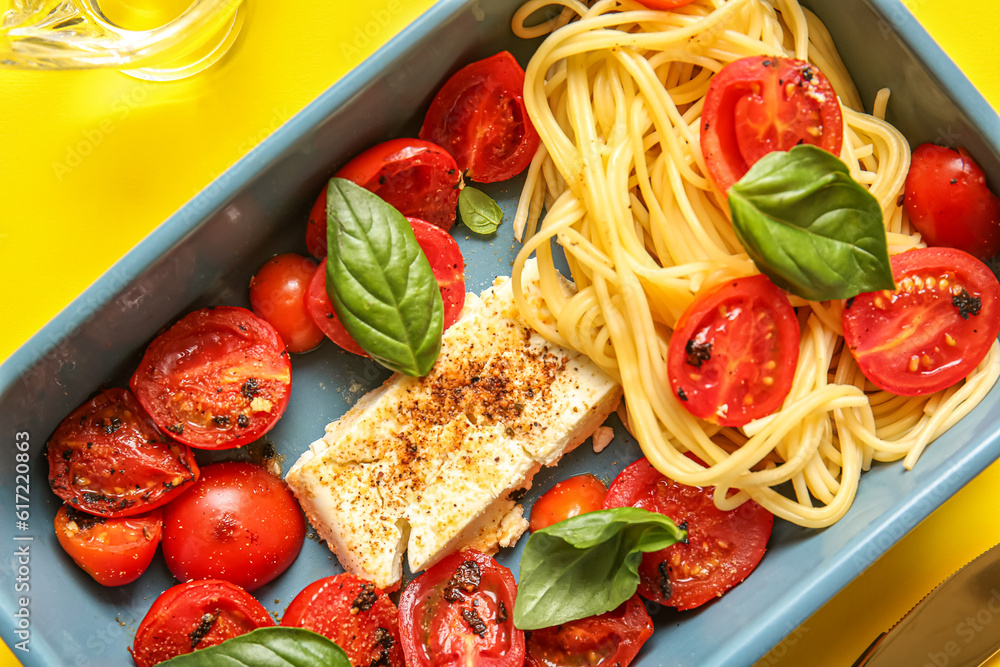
x: 616, y: 93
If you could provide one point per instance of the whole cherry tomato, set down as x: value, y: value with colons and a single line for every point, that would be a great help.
x: 950, y: 203
x: 278, y: 294
x: 239, y: 523
x: 570, y: 497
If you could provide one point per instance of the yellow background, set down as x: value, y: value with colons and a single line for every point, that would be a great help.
x: 90, y: 162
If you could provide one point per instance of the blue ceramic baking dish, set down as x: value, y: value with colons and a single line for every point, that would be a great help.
x: 206, y: 253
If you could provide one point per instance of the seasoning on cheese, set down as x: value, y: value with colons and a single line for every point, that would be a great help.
x: 429, y: 465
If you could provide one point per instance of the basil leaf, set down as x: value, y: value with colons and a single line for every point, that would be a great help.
x: 587, y: 564
x: 478, y: 210
x: 809, y: 227
x: 380, y: 282
x: 267, y: 647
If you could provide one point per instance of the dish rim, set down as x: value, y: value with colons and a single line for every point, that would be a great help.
x: 222, y: 189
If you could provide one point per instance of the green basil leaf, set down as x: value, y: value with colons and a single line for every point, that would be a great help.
x: 478, y: 210
x: 587, y: 564
x: 267, y: 647
x: 809, y: 227
x: 380, y: 282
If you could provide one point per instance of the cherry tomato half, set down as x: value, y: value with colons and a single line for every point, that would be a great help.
x: 239, y: 523
x: 761, y: 104
x: 355, y: 614
x: 570, y: 497
x: 277, y: 294
x: 480, y: 118
x: 109, y: 458
x: 949, y: 202
x: 732, y: 357
x: 933, y: 330
x: 114, y: 551
x: 721, y: 548
x: 611, y: 639
x: 219, y: 378
x: 446, y: 262
x: 195, y: 615
x: 419, y: 178
x: 461, y: 612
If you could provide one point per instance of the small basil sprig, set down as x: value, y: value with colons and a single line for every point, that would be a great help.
x: 809, y: 227
x: 479, y: 212
x: 380, y: 282
x: 587, y: 564
x: 267, y: 647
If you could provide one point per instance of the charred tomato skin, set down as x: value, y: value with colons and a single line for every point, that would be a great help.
x: 108, y: 457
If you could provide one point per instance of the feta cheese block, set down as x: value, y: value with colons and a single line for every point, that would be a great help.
x: 428, y: 465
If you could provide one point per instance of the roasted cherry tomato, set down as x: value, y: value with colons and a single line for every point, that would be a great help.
x: 219, y: 378
x: 355, y: 614
x: 732, y: 356
x: 239, y: 523
x: 721, y: 548
x: 114, y: 551
x: 321, y: 310
x: 461, y: 612
x: 479, y: 116
x: 446, y: 261
x: 949, y: 202
x: 278, y: 294
x: 195, y: 615
x: 576, y: 495
x: 419, y: 178
x: 761, y: 104
x: 109, y: 458
x: 611, y: 639
x: 933, y: 330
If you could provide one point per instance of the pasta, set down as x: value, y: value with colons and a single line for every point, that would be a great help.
x: 615, y: 92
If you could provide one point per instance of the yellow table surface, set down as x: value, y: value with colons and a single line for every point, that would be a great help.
x: 91, y: 161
